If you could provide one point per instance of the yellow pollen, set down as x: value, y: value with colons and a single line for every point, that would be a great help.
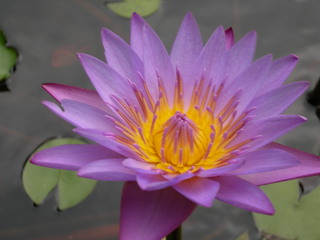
x: 178, y: 140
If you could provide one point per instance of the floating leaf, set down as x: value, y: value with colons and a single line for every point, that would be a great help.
x: 38, y: 181
x: 8, y: 58
x: 73, y: 189
x: 243, y: 236
x: 125, y: 8
x: 294, y: 218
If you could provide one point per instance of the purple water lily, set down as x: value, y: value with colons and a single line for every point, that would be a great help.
x: 181, y: 129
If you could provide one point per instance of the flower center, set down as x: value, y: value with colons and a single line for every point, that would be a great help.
x: 176, y: 140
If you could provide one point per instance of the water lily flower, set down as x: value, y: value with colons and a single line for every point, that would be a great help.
x: 181, y: 129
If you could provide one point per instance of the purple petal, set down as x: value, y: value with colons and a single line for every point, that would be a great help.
x: 81, y: 115
x: 107, y: 170
x: 140, y: 166
x: 276, y: 101
x: 266, y: 130
x: 264, y: 160
x: 106, y: 80
x: 104, y: 139
x: 154, y: 182
x: 157, y: 63
x: 136, y: 36
x: 199, y: 190
x: 309, y: 165
x: 231, y: 166
x: 279, y: 72
x: 241, y: 54
x: 71, y: 156
x: 60, y: 92
x: 186, y: 48
x: 242, y: 194
x: 249, y: 81
x: 178, y: 177
x: 229, y: 38
x: 151, y: 215
x: 212, y: 58
x: 121, y: 57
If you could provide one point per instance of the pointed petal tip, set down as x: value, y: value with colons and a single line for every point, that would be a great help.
x: 136, y: 17
x: 84, y: 56
x: 252, y: 33
x: 107, y: 33
x: 53, y: 89
x: 39, y: 160
x: 229, y: 32
x: 303, y: 119
x: 294, y: 57
x: 220, y: 28
x: 46, y: 86
x: 135, y: 14
x: 104, y: 32
x: 34, y: 160
x: 49, y: 87
x: 81, y: 56
x: 189, y: 16
x: 267, y: 210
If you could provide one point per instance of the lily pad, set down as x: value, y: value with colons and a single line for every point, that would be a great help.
x: 8, y: 58
x: 243, y: 236
x: 295, y: 218
x: 38, y: 181
x: 125, y: 8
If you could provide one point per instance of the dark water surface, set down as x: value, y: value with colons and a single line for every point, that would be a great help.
x: 48, y: 33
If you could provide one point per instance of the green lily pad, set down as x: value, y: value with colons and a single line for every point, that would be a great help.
x: 125, y: 8
x: 295, y: 219
x: 39, y: 181
x: 243, y: 236
x: 8, y: 58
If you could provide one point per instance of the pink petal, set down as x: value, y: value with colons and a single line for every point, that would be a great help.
x: 81, y: 115
x: 231, y: 166
x: 266, y: 130
x: 199, y: 190
x: 121, y: 57
x: 249, y: 81
x: 229, y: 38
x: 136, y: 36
x: 60, y: 92
x: 154, y: 182
x: 279, y: 72
x: 151, y: 215
x: 157, y: 63
x: 72, y: 156
x: 265, y: 160
x: 277, y: 100
x: 106, y: 80
x: 309, y: 165
x: 186, y: 49
x: 242, y: 194
x: 107, y: 170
